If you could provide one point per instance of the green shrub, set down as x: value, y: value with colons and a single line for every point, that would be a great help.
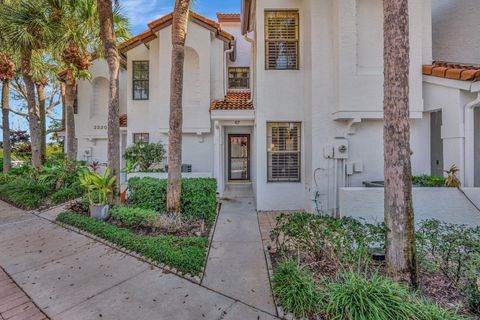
x: 449, y: 248
x: 66, y: 194
x: 295, y: 289
x: 25, y: 193
x: 430, y: 311
x: 199, y: 199
x: 144, y: 155
x: 342, y: 241
x: 471, y: 292
x: 355, y: 296
x: 428, y: 181
x: 134, y: 217
x: 187, y: 254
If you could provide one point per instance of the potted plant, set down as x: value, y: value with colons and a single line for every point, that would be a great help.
x: 98, y: 188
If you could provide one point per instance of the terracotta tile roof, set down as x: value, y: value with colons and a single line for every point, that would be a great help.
x: 165, y: 21
x: 123, y: 120
x: 452, y: 71
x: 235, y: 100
x: 228, y: 17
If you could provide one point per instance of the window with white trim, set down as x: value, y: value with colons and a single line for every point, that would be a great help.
x: 284, y: 151
x: 281, y: 40
x: 238, y: 78
x: 141, y: 138
x: 140, y: 82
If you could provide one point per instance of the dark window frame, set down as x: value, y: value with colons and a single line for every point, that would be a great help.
x: 232, y: 80
x: 271, y: 153
x: 296, y: 41
x: 143, y: 80
x: 139, y: 137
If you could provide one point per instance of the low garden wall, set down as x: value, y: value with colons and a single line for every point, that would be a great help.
x: 446, y: 204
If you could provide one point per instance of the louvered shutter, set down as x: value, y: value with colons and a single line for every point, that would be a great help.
x: 281, y: 40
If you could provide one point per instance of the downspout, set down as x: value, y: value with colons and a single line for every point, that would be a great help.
x: 225, y: 74
x: 253, y: 70
x: 468, y: 143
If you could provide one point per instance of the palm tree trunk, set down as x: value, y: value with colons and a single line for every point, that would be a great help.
x: 179, y: 34
x: 399, y: 219
x: 7, y: 157
x: 70, y: 94
x: 33, y: 118
x: 43, y: 125
x: 62, y: 93
x: 111, y: 53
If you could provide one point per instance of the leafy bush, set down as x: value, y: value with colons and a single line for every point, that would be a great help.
x: 471, y: 293
x: 65, y: 194
x: 25, y: 193
x: 144, y: 155
x: 342, y: 242
x: 187, y: 254
x: 295, y: 289
x: 450, y: 248
x: 428, y: 181
x: 134, y: 217
x: 199, y: 200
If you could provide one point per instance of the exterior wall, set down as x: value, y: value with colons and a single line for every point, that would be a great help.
x: 337, y: 94
x: 243, y: 48
x: 91, y: 120
x: 455, y: 31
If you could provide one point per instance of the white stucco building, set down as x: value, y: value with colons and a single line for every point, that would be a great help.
x: 287, y: 98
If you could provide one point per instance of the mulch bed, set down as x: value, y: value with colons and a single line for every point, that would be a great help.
x: 433, y: 285
x: 188, y: 228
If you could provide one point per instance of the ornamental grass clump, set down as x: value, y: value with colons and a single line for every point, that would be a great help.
x: 295, y: 289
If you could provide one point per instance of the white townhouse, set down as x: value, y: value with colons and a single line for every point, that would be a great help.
x: 287, y: 97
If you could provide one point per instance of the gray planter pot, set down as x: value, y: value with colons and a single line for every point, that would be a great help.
x: 99, y: 212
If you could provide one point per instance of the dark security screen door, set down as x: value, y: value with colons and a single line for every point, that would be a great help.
x: 238, y: 157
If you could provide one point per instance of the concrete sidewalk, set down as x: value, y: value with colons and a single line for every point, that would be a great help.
x: 236, y: 264
x: 70, y: 276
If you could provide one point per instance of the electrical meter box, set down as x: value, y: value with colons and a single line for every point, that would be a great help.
x: 341, y: 148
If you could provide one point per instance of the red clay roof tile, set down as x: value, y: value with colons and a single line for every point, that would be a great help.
x: 452, y: 71
x: 235, y: 100
x: 123, y: 120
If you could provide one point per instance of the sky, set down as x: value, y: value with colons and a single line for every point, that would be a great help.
x: 141, y: 12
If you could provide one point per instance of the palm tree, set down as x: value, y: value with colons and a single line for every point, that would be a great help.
x: 109, y: 40
x: 179, y: 35
x: 26, y: 23
x: 399, y: 219
x: 7, y: 73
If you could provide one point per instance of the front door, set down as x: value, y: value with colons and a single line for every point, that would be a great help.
x: 238, y: 157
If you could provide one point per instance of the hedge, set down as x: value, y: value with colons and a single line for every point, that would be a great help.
x: 199, y: 196
x: 187, y: 254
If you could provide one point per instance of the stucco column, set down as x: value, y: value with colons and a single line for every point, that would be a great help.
x: 218, y: 156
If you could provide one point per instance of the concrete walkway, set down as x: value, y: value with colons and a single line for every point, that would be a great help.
x: 236, y: 265
x: 70, y: 276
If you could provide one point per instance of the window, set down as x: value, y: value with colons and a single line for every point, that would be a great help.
x: 239, y: 78
x: 141, y: 138
x: 140, y: 80
x: 283, y: 151
x: 281, y: 40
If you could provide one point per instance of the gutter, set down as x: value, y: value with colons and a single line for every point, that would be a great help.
x: 253, y: 67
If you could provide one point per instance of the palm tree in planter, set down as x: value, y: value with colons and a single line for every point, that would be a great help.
x: 399, y: 219
x: 26, y: 23
x: 109, y: 39
x: 179, y: 36
x: 7, y: 73
x: 98, y: 188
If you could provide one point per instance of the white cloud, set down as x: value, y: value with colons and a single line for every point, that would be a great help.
x: 141, y: 12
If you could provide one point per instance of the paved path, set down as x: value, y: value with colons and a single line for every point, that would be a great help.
x: 70, y: 276
x: 14, y: 303
x: 236, y: 265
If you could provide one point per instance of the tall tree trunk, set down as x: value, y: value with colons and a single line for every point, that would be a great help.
x: 7, y: 148
x: 43, y: 121
x: 111, y: 53
x: 70, y: 94
x: 179, y: 34
x: 33, y: 117
x: 62, y: 93
x: 399, y: 219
